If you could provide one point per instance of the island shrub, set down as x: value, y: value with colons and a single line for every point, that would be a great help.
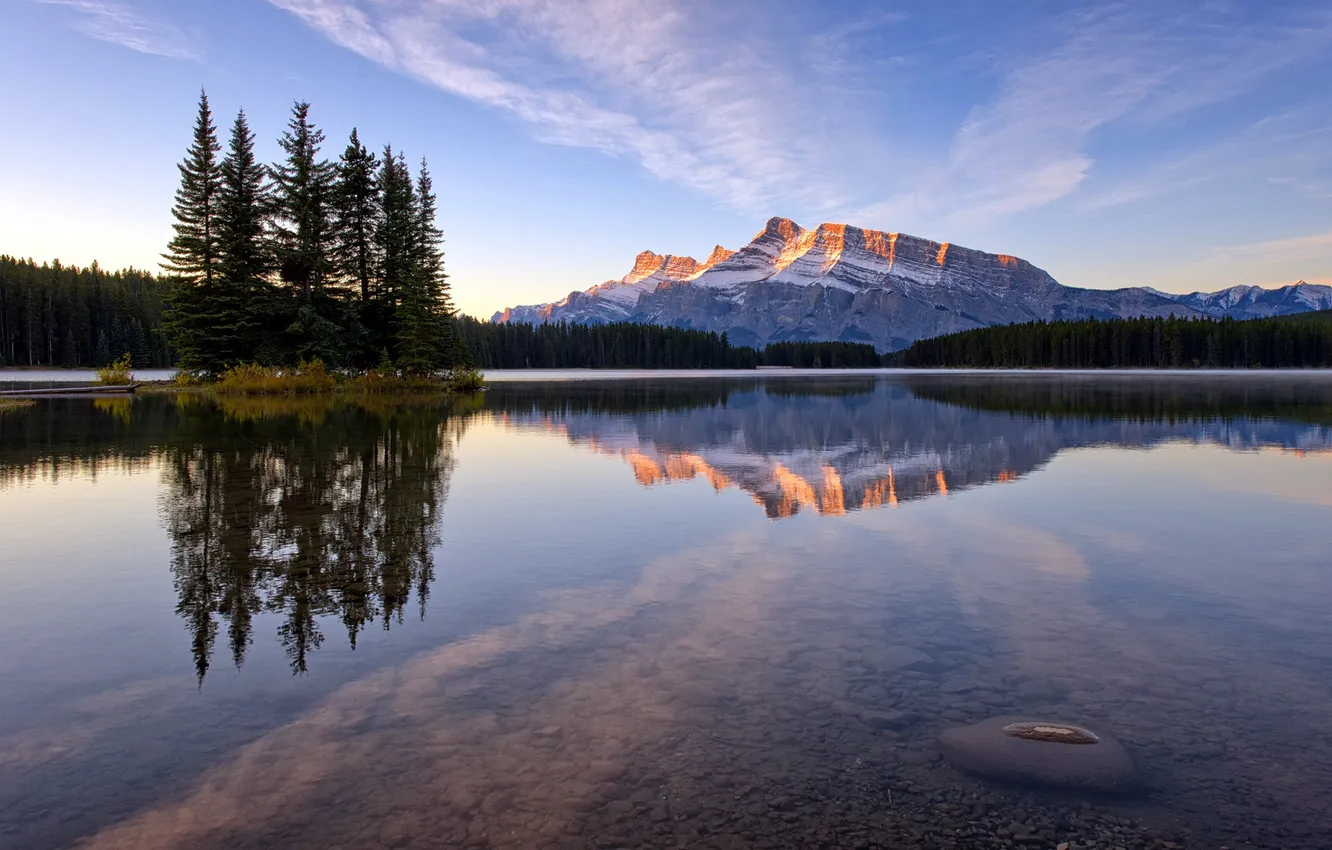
x: 466, y: 379
x: 254, y: 379
x: 116, y: 373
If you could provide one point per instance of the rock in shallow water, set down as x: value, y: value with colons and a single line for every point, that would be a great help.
x: 1042, y: 752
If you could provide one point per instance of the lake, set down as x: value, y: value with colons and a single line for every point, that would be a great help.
x: 734, y: 611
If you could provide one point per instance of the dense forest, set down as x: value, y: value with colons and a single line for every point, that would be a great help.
x: 340, y: 261
x: 637, y: 346
x: 56, y: 315
x: 1324, y: 316
x: 1172, y: 343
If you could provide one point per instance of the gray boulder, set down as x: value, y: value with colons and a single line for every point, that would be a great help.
x: 1040, y: 752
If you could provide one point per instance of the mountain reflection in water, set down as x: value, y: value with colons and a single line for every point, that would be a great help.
x: 835, y: 446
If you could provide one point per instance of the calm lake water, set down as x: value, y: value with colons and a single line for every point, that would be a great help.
x: 733, y: 612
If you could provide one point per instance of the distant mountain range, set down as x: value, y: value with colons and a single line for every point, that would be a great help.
x: 838, y: 282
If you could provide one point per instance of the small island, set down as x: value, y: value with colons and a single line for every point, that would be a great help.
x: 307, y: 274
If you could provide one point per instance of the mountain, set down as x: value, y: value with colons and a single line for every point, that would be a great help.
x: 838, y: 282
x: 1255, y: 302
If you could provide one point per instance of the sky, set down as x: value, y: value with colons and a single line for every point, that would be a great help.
x: 1179, y: 145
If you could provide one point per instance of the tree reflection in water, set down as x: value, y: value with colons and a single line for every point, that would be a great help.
x: 305, y: 508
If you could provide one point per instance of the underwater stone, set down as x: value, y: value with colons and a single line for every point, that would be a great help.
x: 1062, y: 755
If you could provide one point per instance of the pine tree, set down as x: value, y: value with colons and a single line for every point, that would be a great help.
x: 193, y: 251
x: 356, y: 215
x: 303, y: 237
x: 196, y: 324
x: 396, y: 230
x: 242, y: 206
x: 233, y: 308
x: 303, y: 187
x: 429, y: 242
x: 425, y: 339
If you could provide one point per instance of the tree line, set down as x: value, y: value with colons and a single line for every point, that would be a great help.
x: 57, y: 315
x: 307, y: 258
x: 1151, y: 343
x: 630, y: 345
x: 1144, y: 399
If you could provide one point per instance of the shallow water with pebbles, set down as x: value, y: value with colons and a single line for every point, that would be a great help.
x: 667, y: 614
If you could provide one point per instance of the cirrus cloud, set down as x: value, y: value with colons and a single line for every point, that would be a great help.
x: 121, y: 24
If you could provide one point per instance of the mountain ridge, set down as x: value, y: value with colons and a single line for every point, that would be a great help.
x: 846, y: 283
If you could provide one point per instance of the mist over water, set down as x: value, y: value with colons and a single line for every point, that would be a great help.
x: 667, y: 613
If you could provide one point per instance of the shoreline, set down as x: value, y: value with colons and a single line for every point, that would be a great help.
x: 74, y: 376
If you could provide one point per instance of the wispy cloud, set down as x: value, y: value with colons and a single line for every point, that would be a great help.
x: 118, y: 23
x: 720, y: 98
x: 647, y: 81
x: 1266, y: 263
x: 1288, y: 149
x: 1314, y: 246
x: 1125, y: 66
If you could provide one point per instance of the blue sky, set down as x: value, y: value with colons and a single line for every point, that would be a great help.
x: 1179, y: 145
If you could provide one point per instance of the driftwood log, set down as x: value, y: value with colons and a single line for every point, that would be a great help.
x: 76, y: 391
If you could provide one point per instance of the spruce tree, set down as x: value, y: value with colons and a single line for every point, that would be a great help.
x: 396, y: 230
x: 242, y: 206
x: 425, y: 338
x: 239, y: 298
x: 192, y: 252
x: 303, y: 240
x: 429, y: 245
x: 195, y: 321
x: 356, y: 215
x: 303, y: 188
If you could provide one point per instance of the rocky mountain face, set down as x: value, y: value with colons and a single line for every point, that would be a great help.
x: 838, y: 282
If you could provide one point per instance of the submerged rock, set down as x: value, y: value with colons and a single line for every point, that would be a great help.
x: 1041, y: 752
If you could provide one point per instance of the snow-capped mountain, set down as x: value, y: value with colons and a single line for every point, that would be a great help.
x: 614, y: 300
x: 1253, y: 302
x: 838, y: 282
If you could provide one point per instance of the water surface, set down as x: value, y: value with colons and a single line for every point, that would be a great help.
x: 666, y: 613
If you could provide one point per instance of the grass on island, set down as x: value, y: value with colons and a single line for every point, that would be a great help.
x: 314, y: 378
x: 312, y: 408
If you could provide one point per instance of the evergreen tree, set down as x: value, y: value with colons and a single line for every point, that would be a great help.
x: 396, y: 229
x: 429, y: 243
x: 425, y: 338
x: 242, y: 207
x: 85, y: 315
x: 219, y: 324
x: 193, y: 251
x: 201, y: 319
x: 356, y: 196
x: 303, y: 237
x: 303, y: 188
